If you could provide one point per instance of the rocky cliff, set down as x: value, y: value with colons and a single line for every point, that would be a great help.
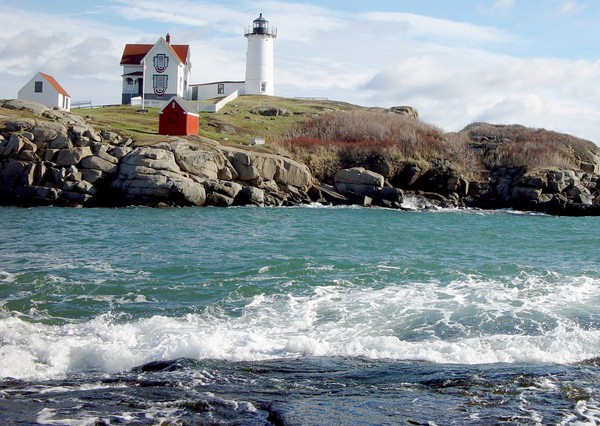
x: 49, y: 157
x: 55, y: 158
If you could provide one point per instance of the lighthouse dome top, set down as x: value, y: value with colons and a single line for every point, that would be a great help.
x: 261, y: 19
x: 261, y: 26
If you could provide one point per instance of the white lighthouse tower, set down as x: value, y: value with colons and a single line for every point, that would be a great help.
x: 259, y: 58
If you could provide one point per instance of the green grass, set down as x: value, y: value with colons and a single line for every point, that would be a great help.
x: 234, y: 124
x: 126, y: 121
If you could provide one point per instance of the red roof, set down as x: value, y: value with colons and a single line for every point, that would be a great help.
x: 55, y: 84
x: 134, y: 53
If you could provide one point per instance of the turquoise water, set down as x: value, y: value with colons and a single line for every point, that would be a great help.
x: 87, y: 295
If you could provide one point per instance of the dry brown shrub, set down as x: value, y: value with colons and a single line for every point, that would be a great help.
x: 382, y: 142
x: 519, y: 146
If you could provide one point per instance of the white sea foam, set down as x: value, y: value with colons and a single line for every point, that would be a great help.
x: 7, y: 277
x: 469, y: 321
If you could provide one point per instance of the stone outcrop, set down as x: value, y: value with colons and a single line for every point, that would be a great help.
x: 551, y: 191
x: 67, y: 162
x: 50, y: 157
x: 365, y: 187
x: 271, y: 112
x: 404, y: 110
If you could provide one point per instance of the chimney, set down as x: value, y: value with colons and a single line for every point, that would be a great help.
x: 168, y: 39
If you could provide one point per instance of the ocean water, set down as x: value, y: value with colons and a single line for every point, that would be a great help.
x: 298, y: 316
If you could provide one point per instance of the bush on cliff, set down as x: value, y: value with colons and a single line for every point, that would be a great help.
x: 379, y: 141
x: 510, y: 146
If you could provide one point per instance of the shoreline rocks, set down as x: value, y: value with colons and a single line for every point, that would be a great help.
x: 66, y: 162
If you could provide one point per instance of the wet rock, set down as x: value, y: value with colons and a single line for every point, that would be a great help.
x: 219, y: 200
x: 228, y: 189
x: 326, y: 194
x: 525, y: 194
x: 408, y: 176
x: 250, y: 196
x: 358, y: 181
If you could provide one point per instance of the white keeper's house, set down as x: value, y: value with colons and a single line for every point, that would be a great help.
x: 44, y: 88
x: 156, y: 71
x: 162, y: 70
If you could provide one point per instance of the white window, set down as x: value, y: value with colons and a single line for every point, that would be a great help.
x: 39, y: 86
x: 221, y: 89
x: 263, y: 86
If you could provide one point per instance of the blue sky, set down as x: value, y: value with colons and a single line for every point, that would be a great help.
x: 531, y: 62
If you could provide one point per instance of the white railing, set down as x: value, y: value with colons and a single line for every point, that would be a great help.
x: 148, y: 103
x: 215, y: 107
x: 81, y: 104
x: 202, y: 106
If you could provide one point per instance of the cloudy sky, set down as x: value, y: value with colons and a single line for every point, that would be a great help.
x: 532, y: 62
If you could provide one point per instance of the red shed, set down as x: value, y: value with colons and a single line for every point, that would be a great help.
x: 178, y: 118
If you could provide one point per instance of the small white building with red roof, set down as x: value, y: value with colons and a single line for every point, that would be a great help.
x: 44, y: 88
x: 156, y: 71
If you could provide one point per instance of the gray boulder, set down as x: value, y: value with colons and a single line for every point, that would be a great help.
x: 189, y: 191
x: 251, y: 196
x: 404, y: 110
x: 525, y: 194
x: 200, y: 162
x: 251, y: 166
x: 99, y: 164
x: 152, y: 158
x: 358, y: 181
x: 228, y: 189
x: 61, y: 141
x: 219, y: 200
x: 31, y: 106
x: 151, y: 175
x: 20, y: 124
x: 72, y: 156
x: 14, y: 145
x: 243, y: 165
x: 121, y: 151
x: 46, y: 132
x: 270, y: 111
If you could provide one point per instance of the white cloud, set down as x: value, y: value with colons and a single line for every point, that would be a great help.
x: 555, y: 94
x: 441, y: 30
x: 569, y: 7
x: 453, y: 72
x: 498, y: 6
